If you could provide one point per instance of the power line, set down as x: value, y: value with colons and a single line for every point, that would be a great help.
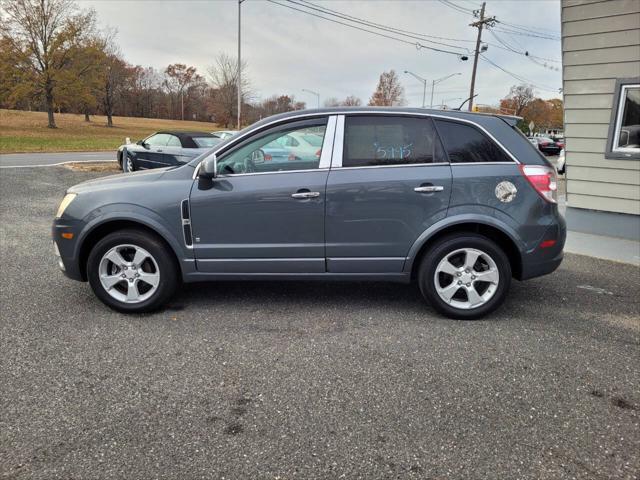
x: 526, y: 34
x: 525, y: 53
x: 329, y: 11
x: 418, y: 45
x: 456, y: 7
x: 367, y: 23
x: 518, y: 77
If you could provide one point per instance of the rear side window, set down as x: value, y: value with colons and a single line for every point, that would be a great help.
x: 467, y: 144
x: 390, y: 140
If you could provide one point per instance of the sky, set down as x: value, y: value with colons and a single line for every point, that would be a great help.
x: 288, y: 51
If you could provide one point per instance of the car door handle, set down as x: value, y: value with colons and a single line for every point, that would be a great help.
x: 305, y: 195
x: 429, y: 189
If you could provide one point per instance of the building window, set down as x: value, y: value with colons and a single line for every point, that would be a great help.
x: 624, y: 131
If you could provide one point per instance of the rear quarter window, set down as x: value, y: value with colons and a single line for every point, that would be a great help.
x: 467, y: 144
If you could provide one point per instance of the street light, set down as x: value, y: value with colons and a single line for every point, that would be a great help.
x: 424, y: 85
x: 239, y: 66
x: 313, y: 93
x: 437, y: 81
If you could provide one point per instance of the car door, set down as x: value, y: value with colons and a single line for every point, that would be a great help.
x: 259, y: 216
x: 149, y: 155
x: 389, y: 182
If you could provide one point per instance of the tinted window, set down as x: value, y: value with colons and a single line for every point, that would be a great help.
x: 467, y: 144
x: 273, y: 152
x: 387, y: 140
x: 158, y: 140
x: 174, y: 141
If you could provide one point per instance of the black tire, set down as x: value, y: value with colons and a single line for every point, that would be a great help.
x: 442, y: 249
x: 163, y: 256
x: 125, y: 164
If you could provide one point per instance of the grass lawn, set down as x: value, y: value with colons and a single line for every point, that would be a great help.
x: 27, y: 131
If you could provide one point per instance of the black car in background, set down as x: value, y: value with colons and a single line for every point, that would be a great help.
x: 546, y: 145
x: 164, y: 149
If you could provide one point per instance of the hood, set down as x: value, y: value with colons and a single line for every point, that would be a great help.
x: 122, y: 179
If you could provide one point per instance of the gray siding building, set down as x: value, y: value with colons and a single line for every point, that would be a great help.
x: 601, y: 84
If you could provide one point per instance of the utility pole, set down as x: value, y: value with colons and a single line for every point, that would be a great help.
x: 239, y: 66
x: 479, y: 25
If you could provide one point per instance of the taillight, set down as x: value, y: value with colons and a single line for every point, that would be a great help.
x: 318, y: 153
x: 291, y: 157
x: 267, y: 157
x: 543, y: 179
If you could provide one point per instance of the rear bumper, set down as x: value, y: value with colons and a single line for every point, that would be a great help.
x: 542, y: 261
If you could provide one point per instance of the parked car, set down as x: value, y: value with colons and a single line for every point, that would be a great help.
x: 558, y: 140
x: 164, y: 149
x: 224, y: 134
x: 456, y: 202
x: 546, y: 145
x: 561, y: 163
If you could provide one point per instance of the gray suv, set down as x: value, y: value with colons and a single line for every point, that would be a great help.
x: 457, y: 202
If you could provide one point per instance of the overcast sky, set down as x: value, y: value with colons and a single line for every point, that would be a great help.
x: 288, y: 51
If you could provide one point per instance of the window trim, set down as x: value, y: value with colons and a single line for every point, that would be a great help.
x: 336, y: 158
x: 483, y: 132
x: 617, y: 109
x: 343, y: 126
x: 325, y: 155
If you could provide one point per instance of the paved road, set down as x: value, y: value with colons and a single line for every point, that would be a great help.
x: 309, y: 380
x: 48, y: 159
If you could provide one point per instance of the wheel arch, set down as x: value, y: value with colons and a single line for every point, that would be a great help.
x: 501, y: 235
x: 108, y: 226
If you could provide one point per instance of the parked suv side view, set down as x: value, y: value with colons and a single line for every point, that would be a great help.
x: 458, y: 202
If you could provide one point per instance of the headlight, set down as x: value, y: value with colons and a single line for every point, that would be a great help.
x: 66, y: 201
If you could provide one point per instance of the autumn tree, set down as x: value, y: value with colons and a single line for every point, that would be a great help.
x: 389, y: 91
x: 179, y: 79
x: 43, y: 37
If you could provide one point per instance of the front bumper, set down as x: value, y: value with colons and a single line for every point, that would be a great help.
x: 65, y: 249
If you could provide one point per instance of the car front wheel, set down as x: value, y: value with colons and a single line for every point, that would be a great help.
x: 132, y: 271
x: 465, y: 276
x: 128, y: 164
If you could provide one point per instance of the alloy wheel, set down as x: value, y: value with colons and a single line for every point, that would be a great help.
x: 129, y: 273
x: 466, y: 278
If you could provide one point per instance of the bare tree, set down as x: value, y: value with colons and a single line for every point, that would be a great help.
x: 351, y: 101
x: 223, y: 75
x: 332, y: 102
x: 519, y: 97
x: 389, y: 91
x: 43, y: 36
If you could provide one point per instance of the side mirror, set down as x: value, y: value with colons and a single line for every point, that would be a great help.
x: 209, y: 167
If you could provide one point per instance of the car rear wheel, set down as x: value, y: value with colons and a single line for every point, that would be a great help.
x: 132, y: 271
x: 465, y: 276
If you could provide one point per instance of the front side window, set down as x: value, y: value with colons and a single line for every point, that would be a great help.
x: 626, y: 136
x: 467, y: 144
x: 272, y: 152
x: 390, y: 140
x: 158, y: 140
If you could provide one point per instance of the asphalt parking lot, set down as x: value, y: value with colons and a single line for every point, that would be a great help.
x: 308, y: 380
